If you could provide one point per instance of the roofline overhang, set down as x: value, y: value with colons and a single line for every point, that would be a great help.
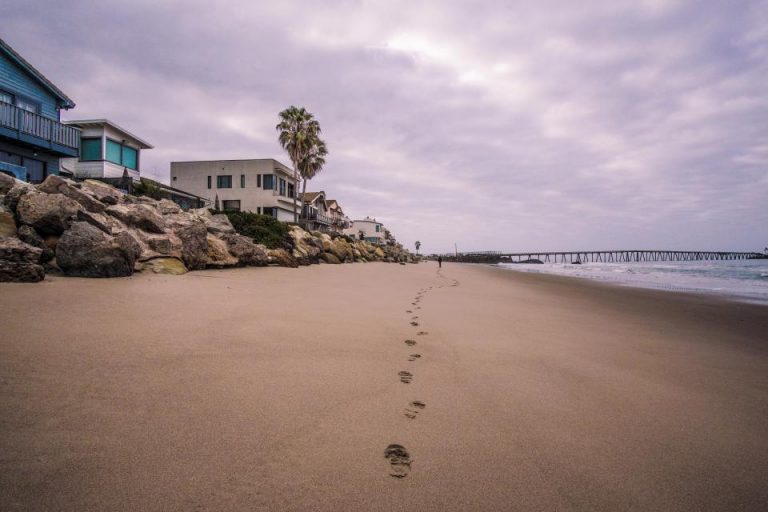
x: 82, y: 123
x: 64, y: 100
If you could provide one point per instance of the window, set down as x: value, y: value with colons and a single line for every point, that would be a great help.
x: 282, y: 187
x: 29, y: 106
x: 231, y: 206
x: 121, y: 154
x: 269, y: 182
x: 6, y: 97
x: 258, y: 180
x: 224, y: 181
x: 291, y: 190
x: 242, y: 181
x: 378, y: 227
x: 271, y: 211
x: 90, y: 150
x: 114, y: 152
x: 209, y: 182
x: 130, y: 158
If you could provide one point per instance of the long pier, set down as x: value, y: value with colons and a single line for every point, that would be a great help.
x: 619, y: 256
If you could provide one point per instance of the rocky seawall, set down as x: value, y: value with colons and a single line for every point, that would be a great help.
x: 91, y: 229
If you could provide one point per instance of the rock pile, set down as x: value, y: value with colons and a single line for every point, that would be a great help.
x: 90, y: 229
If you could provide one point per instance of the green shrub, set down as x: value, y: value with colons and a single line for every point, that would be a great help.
x: 262, y: 229
x: 147, y: 188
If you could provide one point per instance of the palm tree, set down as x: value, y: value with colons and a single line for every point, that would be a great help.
x: 299, y: 132
x: 312, y: 163
x: 418, y: 245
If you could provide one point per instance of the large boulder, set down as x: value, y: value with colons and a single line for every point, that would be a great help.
x: 7, y: 222
x: 18, y: 189
x: 142, y: 216
x: 341, y: 249
x: 330, y: 258
x: 20, y: 262
x: 172, y: 266
x: 101, y: 191
x: 86, y: 251
x: 218, y: 224
x: 49, y: 214
x: 281, y: 258
x: 218, y: 254
x: 246, y: 252
x: 29, y: 236
x: 194, y: 245
x: 167, y: 207
x: 6, y: 183
x: 54, y: 184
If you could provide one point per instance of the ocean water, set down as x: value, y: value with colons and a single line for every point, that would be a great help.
x: 743, y: 280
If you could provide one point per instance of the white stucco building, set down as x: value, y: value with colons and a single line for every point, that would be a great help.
x: 371, y: 230
x: 263, y: 186
x: 106, y: 151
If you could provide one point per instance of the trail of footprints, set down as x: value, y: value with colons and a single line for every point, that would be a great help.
x: 398, y: 457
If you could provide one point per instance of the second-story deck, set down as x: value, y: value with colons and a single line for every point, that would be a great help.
x: 37, y: 131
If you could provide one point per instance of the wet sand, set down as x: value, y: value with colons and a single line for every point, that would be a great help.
x: 281, y: 389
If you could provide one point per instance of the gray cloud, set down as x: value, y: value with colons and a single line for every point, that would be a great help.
x: 496, y: 125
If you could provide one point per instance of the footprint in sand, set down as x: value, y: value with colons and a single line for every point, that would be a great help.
x: 399, y: 460
x: 415, y: 324
x: 422, y: 333
x: 405, y: 377
x: 418, y: 307
x: 410, y: 343
x: 414, y: 318
x: 408, y: 311
x: 414, y: 357
x: 412, y: 411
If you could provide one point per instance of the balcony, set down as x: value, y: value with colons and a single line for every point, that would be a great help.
x: 311, y: 213
x: 38, y: 132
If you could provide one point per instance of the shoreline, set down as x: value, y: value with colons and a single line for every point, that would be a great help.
x: 731, y: 296
x: 268, y: 388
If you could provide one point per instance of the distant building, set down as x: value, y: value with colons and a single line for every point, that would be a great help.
x: 339, y: 219
x: 367, y: 229
x: 106, y: 151
x: 263, y: 186
x: 32, y: 137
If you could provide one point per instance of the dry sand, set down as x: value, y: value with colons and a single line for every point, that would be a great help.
x: 279, y: 389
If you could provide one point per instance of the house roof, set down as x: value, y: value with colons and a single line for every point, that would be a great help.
x: 64, y: 100
x: 310, y: 197
x: 86, y: 123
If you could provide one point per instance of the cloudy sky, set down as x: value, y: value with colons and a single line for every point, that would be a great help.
x: 501, y: 124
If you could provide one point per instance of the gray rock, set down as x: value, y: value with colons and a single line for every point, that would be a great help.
x: 141, y: 216
x: 194, y: 245
x: 19, y: 261
x: 246, y: 252
x: 219, y: 224
x: 95, y: 219
x: 102, y: 192
x: 6, y: 183
x: 86, y: 251
x: 29, y: 236
x: 218, y: 254
x: 166, y: 207
x: 7, y: 222
x: 19, y: 189
x: 49, y: 214
x: 54, y: 184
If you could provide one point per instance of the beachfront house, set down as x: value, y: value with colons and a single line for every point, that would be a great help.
x: 32, y: 136
x: 366, y: 229
x: 339, y: 220
x: 263, y: 186
x: 106, y: 151
x: 315, y: 212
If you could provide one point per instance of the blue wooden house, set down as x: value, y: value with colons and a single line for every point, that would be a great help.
x: 32, y: 136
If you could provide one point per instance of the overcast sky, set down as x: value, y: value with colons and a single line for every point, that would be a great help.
x: 496, y: 125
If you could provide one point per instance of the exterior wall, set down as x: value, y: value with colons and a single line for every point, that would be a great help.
x: 192, y: 177
x: 368, y: 227
x: 51, y: 161
x: 16, y: 81
x: 96, y: 169
x: 102, y: 168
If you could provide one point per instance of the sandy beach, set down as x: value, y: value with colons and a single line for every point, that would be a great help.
x: 281, y: 389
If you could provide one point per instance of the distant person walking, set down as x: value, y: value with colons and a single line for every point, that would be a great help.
x: 439, y: 262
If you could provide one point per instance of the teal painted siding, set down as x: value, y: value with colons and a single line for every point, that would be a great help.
x: 16, y: 81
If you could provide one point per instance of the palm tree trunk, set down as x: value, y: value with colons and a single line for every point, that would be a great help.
x: 296, y: 182
x: 303, y: 192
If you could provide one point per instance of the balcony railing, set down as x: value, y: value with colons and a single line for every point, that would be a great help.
x: 314, y: 215
x: 29, y: 123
